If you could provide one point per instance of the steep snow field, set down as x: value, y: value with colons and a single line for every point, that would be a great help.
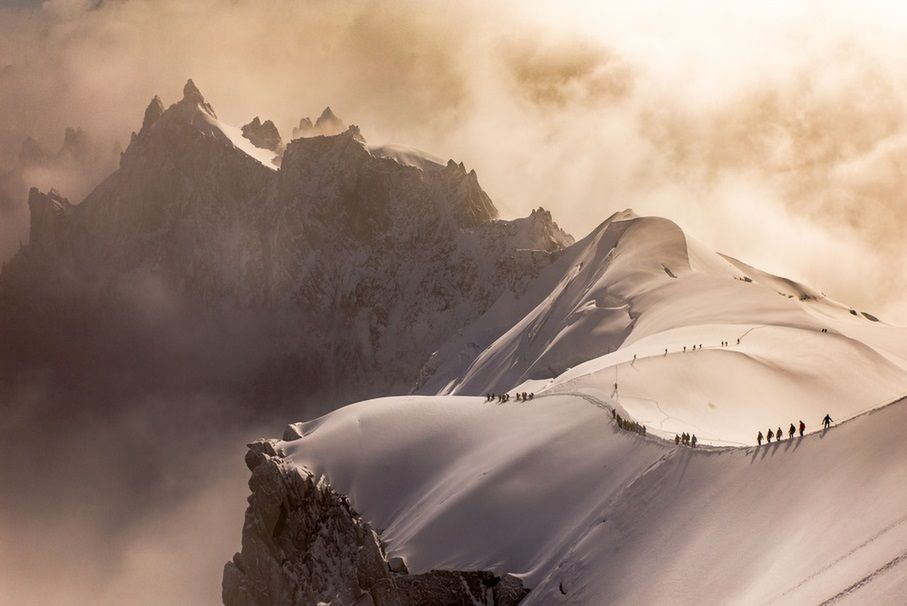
x: 636, y: 287
x: 551, y: 490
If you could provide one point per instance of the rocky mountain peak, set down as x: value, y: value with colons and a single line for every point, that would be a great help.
x: 192, y: 97
x: 305, y: 126
x: 263, y: 135
x: 191, y: 93
x: 154, y: 111
x: 327, y: 124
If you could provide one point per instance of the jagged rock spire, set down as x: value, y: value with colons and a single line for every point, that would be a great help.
x: 153, y: 112
x: 191, y: 92
x: 328, y: 123
x: 263, y: 135
x: 305, y: 127
x: 192, y: 96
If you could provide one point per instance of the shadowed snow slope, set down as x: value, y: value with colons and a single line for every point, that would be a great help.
x: 637, y: 287
x: 552, y: 491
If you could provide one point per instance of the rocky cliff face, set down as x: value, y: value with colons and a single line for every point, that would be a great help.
x: 348, y: 267
x: 304, y: 544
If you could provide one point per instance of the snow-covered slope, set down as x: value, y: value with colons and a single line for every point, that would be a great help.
x: 637, y: 311
x: 552, y: 491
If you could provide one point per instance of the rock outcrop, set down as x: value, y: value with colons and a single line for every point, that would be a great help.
x: 304, y: 544
x: 327, y: 124
x: 263, y: 134
x: 50, y: 220
x: 154, y: 111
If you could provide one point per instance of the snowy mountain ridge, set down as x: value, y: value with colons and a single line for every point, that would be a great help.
x: 640, y: 320
x: 340, y: 258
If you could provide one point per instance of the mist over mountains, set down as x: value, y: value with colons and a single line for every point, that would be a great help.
x: 199, y: 291
x: 796, y: 132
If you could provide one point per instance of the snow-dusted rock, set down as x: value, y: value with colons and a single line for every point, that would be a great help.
x: 50, y: 219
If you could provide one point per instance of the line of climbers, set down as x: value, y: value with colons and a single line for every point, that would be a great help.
x: 778, y: 435
x: 627, y: 424
x: 521, y: 396
x: 694, y: 347
x: 685, y: 439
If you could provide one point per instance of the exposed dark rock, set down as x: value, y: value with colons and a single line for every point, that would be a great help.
x: 397, y: 565
x: 327, y: 124
x: 191, y: 93
x: 302, y: 544
x: 50, y: 220
x: 154, y: 111
x: 263, y: 135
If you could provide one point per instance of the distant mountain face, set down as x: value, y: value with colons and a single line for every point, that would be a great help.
x: 340, y: 272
